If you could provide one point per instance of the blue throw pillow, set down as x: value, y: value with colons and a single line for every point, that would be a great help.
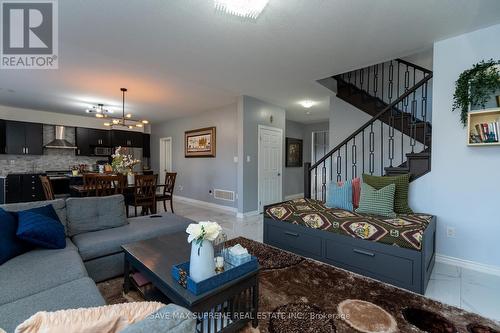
x: 340, y: 196
x: 40, y: 229
x: 48, y: 211
x: 10, y: 245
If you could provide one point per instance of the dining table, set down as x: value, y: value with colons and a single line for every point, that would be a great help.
x: 128, y: 191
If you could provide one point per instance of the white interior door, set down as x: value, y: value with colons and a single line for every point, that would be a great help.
x: 165, y: 157
x: 270, y: 165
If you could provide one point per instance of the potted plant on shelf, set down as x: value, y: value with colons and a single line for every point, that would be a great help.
x: 123, y: 164
x: 475, y: 85
x: 201, y: 236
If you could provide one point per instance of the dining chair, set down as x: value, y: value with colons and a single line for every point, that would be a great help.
x: 168, y: 191
x: 107, y: 185
x: 89, y: 183
x: 47, y: 188
x: 144, y: 194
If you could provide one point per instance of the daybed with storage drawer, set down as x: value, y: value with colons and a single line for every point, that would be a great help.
x: 399, y: 251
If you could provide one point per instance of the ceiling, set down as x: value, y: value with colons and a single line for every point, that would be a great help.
x: 180, y: 57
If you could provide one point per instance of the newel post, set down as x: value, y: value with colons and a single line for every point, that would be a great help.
x: 307, y: 180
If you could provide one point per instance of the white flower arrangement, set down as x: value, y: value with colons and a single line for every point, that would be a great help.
x: 199, y: 232
x: 123, y: 163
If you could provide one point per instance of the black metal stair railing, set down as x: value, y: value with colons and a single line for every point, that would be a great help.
x: 400, y: 90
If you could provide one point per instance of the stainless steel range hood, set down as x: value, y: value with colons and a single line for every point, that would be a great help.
x: 59, y: 142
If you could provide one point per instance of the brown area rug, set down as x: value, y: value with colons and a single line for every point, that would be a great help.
x: 302, y: 295
x: 112, y: 291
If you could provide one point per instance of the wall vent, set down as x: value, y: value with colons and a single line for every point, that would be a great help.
x: 224, y: 195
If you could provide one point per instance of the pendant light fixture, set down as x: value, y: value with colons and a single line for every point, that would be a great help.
x: 126, y: 120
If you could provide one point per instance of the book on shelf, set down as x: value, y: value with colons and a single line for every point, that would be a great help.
x: 486, y: 132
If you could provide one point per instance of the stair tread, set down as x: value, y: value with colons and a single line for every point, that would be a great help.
x: 397, y: 169
x: 421, y: 154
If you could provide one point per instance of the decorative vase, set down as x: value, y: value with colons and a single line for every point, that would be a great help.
x: 130, y: 178
x: 201, y: 264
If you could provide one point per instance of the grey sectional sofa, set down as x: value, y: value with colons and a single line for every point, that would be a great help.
x: 50, y: 280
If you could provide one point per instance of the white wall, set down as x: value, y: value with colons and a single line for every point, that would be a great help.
x: 424, y: 58
x: 196, y: 177
x: 253, y: 112
x: 463, y: 188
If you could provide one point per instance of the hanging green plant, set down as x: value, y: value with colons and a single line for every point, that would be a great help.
x: 475, y: 86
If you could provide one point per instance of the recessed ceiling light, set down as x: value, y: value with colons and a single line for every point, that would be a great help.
x: 307, y: 103
x: 250, y: 9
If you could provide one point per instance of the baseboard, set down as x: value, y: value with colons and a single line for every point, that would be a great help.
x: 206, y: 204
x: 294, y: 196
x: 247, y: 214
x: 472, y: 265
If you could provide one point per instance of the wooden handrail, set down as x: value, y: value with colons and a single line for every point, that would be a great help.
x: 371, y: 121
x: 420, y: 68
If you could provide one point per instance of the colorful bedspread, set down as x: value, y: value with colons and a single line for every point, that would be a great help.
x: 404, y: 231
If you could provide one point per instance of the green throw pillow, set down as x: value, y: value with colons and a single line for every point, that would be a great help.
x: 377, y: 202
x: 402, y: 185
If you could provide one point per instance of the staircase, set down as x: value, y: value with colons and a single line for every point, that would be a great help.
x: 398, y: 137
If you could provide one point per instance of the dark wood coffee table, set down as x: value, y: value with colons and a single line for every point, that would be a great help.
x: 225, y: 309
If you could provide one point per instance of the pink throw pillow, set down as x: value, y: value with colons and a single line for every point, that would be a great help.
x: 356, y: 192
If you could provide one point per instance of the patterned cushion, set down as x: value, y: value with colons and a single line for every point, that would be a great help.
x: 400, y: 197
x: 340, y: 196
x: 377, y: 202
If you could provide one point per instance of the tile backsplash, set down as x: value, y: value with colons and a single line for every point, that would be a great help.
x: 52, y: 159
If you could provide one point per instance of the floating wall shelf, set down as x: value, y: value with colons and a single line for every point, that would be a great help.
x: 477, y: 118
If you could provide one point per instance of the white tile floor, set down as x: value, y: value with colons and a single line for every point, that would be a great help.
x: 467, y: 289
x: 470, y: 290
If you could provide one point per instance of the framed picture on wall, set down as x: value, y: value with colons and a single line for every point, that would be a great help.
x: 293, y: 153
x: 200, y: 142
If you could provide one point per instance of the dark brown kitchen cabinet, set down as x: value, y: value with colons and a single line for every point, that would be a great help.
x: 23, y: 138
x: 126, y: 138
x: 34, y: 138
x: 2, y: 137
x: 82, y: 142
x: 99, y: 138
x: 23, y: 188
x: 146, y: 145
x: 89, y: 138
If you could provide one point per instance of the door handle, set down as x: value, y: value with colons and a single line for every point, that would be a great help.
x: 289, y: 233
x: 365, y: 253
x: 279, y: 174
